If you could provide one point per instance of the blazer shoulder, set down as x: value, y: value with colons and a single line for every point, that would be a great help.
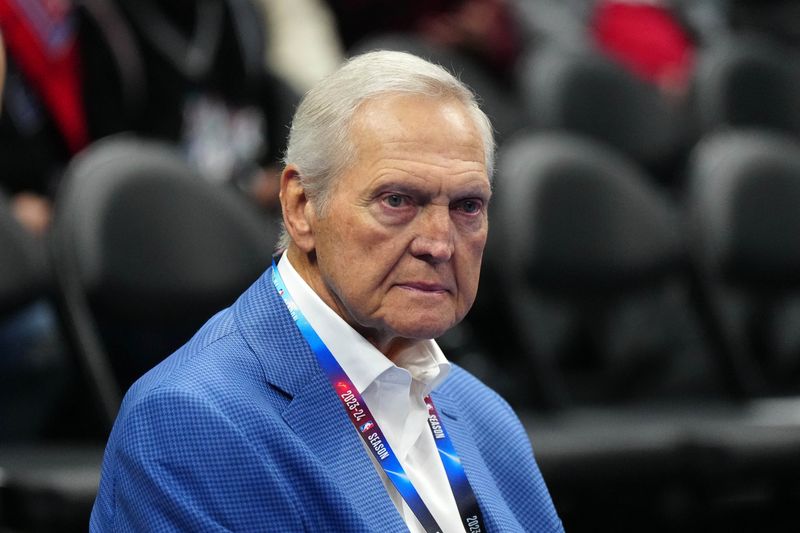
x: 217, y: 336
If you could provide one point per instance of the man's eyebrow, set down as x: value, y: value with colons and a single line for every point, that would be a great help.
x: 472, y: 190
x: 399, y: 185
x: 483, y: 191
x: 413, y: 188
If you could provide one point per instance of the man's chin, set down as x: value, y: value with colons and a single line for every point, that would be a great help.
x: 424, y: 330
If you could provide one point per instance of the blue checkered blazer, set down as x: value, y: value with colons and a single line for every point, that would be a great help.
x: 239, y: 430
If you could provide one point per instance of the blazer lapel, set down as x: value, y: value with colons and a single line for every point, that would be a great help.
x: 317, y: 416
x: 314, y: 413
x: 495, y: 511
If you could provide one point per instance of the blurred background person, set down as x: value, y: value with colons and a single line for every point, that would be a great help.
x: 34, y: 372
x: 649, y: 38
x: 302, y: 40
x: 44, y: 120
x: 483, y: 29
x: 204, y: 85
x: 189, y: 72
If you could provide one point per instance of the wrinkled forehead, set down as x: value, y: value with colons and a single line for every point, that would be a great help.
x: 443, y: 124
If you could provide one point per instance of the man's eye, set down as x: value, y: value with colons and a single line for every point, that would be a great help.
x: 394, y: 200
x: 469, y: 206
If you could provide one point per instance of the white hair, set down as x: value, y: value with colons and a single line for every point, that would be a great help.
x: 319, y: 140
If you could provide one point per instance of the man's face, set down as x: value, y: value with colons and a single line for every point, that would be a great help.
x: 399, y: 247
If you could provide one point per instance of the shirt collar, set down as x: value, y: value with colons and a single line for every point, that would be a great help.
x: 362, y: 362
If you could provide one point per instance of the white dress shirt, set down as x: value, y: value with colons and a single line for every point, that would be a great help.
x: 394, y: 393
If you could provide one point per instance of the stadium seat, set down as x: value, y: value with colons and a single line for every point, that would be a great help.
x: 594, y: 278
x: 746, y: 82
x: 743, y: 198
x: 145, y: 251
x: 592, y: 269
x: 584, y: 93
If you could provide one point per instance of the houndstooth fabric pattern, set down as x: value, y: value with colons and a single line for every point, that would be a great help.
x: 239, y: 430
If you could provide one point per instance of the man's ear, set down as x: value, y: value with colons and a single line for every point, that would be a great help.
x: 297, y: 210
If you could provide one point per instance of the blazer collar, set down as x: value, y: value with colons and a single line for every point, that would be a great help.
x: 269, y: 331
x: 490, y: 499
x: 314, y: 413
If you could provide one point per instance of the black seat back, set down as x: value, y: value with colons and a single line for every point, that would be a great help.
x: 145, y: 251
x: 744, y: 201
x: 589, y: 260
x: 585, y: 93
x: 747, y: 82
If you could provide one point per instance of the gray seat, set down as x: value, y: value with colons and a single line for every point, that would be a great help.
x: 584, y: 93
x: 744, y: 199
x: 591, y: 265
x: 145, y: 251
x: 746, y: 82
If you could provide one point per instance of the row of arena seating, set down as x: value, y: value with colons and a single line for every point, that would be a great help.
x: 741, y: 81
x: 609, y: 291
x: 653, y: 342
x: 639, y: 294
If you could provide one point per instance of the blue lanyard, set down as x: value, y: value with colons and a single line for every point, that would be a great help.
x: 373, y: 437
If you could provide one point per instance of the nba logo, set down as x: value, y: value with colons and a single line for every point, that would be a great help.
x: 365, y: 427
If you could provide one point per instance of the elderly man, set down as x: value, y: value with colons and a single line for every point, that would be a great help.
x: 319, y: 400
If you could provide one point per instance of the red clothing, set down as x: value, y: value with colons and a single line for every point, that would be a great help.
x: 646, y: 38
x: 40, y: 36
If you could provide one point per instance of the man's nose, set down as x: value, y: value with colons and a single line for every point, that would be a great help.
x: 434, y: 240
